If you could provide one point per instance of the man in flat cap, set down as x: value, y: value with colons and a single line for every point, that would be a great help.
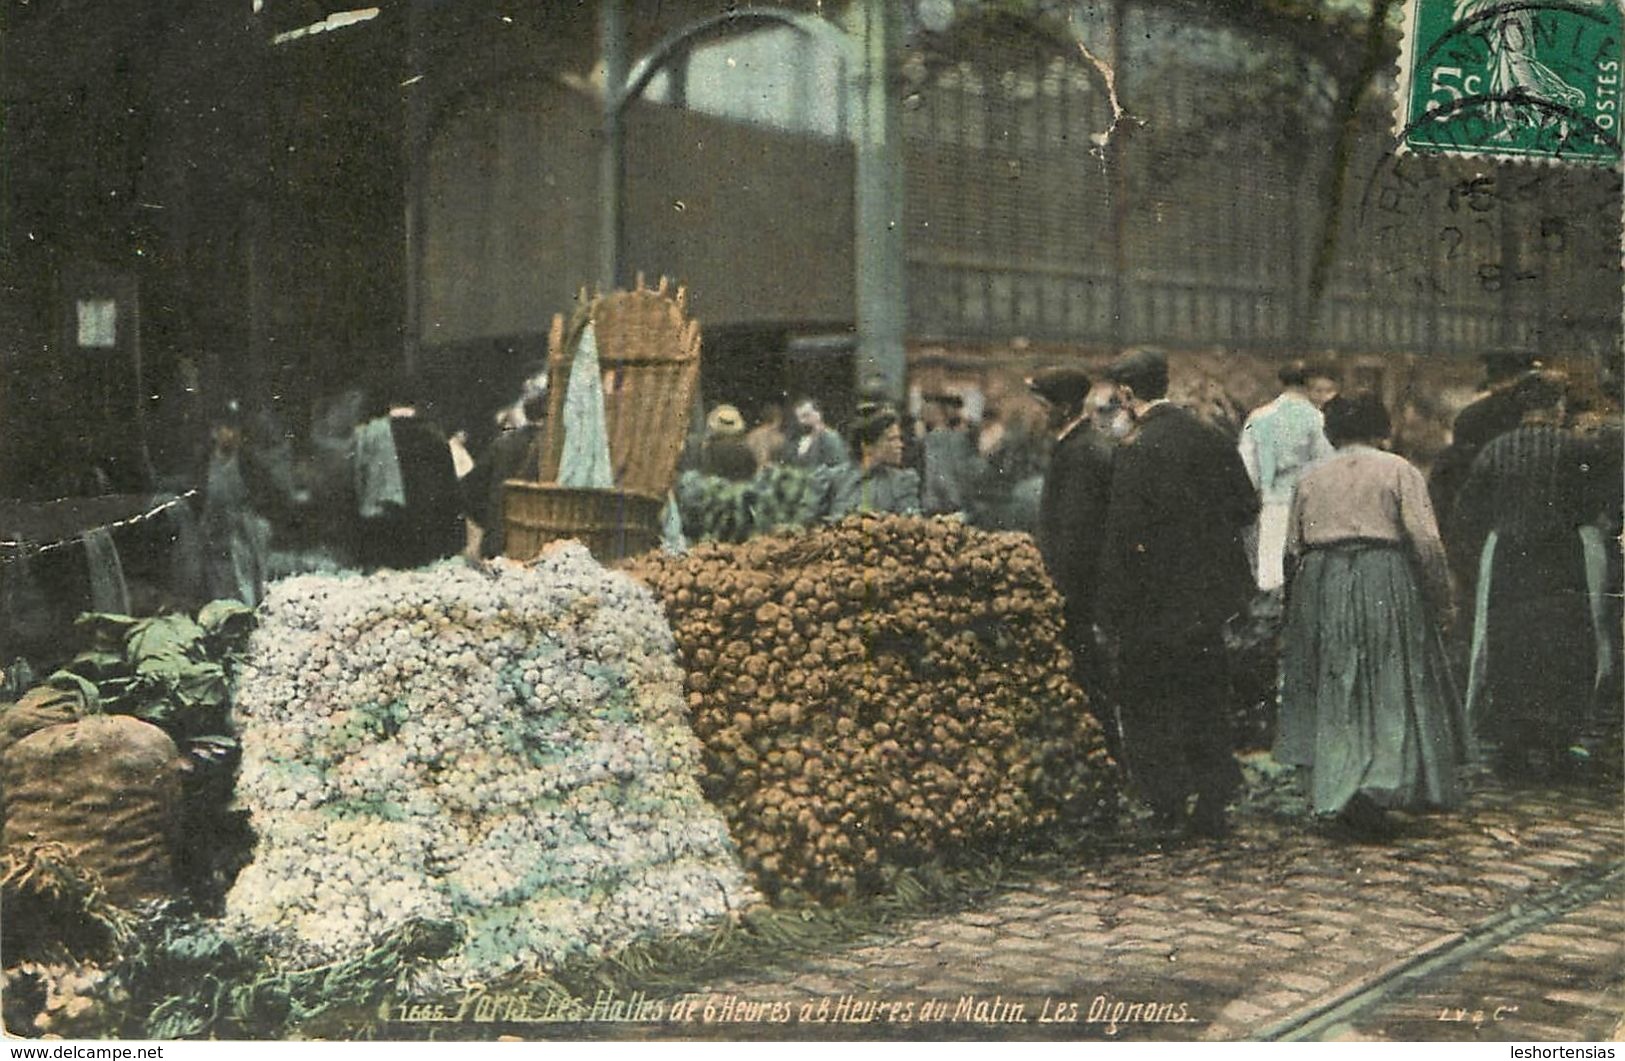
x: 1173, y: 572
x: 1071, y: 518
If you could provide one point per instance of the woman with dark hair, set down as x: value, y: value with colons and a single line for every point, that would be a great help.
x: 1366, y: 700
x: 879, y: 482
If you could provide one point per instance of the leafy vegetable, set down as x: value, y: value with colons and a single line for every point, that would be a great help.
x: 170, y: 670
x: 717, y: 509
x: 67, y: 679
x: 180, y: 977
x: 226, y: 626
x: 164, y: 637
x: 105, y: 630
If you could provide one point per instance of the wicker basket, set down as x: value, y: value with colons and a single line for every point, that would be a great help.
x: 649, y: 351
x: 612, y: 524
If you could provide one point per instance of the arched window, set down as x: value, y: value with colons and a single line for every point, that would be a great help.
x: 776, y: 76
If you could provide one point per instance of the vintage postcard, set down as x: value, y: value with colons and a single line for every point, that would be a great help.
x: 848, y: 521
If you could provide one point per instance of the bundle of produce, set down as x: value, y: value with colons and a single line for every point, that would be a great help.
x: 59, y: 925
x: 506, y: 749
x: 718, y: 509
x: 173, y: 671
x: 108, y: 789
x: 186, y: 978
x: 56, y: 909
x: 174, y: 975
x: 104, y: 811
x: 40, y: 707
x: 879, y: 692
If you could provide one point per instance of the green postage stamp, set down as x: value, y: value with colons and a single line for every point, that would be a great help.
x: 1512, y: 79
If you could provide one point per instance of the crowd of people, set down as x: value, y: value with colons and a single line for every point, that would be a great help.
x: 382, y: 486
x: 888, y: 460
x: 1159, y: 532
x: 390, y: 496
x: 389, y: 487
x: 1423, y: 620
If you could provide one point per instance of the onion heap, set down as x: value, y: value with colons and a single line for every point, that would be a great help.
x: 877, y: 693
x: 508, y: 749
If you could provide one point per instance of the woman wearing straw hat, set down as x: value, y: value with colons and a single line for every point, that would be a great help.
x: 725, y: 454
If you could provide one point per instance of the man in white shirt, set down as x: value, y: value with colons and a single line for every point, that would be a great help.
x: 1281, y: 439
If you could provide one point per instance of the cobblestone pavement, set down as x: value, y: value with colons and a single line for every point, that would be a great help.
x: 1562, y: 980
x: 1227, y: 940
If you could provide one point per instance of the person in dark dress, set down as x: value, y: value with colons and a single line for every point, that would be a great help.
x: 1539, y: 650
x: 417, y: 518
x: 1173, y: 572
x: 1072, y: 510
x: 1491, y: 415
x: 509, y: 456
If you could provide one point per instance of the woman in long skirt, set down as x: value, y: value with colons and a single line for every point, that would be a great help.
x: 1366, y: 701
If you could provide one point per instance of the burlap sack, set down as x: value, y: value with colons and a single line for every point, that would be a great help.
x: 108, y: 788
x: 40, y: 707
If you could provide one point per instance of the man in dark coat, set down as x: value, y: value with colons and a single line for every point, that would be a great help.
x: 509, y: 456
x: 1071, y: 520
x: 1476, y: 426
x: 1072, y: 508
x: 1501, y: 409
x: 1173, y: 572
